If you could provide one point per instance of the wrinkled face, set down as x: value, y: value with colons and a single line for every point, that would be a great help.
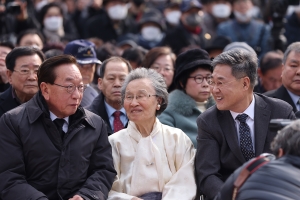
x: 142, y: 107
x: 31, y: 40
x: 25, y: 85
x: 228, y: 92
x: 87, y: 72
x: 271, y: 80
x: 59, y: 101
x: 200, y: 92
x: 164, y: 65
x: 291, y: 73
x: 110, y: 84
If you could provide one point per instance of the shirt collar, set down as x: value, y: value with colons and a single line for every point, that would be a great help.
x: 53, y: 117
x: 110, y: 110
x: 249, y: 111
x: 294, y: 97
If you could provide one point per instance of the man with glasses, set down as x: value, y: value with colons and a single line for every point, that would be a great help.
x: 22, y: 64
x: 236, y: 128
x: 85, y: 54
x: 52, y: 148
x: 108, y: 103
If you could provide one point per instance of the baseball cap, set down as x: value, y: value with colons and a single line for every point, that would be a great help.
x: 83, y: 51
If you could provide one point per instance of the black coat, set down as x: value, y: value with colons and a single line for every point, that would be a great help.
x: 278, y: 179
x: 98, y: 107
x: 35, y: 163
x: 7, y: 102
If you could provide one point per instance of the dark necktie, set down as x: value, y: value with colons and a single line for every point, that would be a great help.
x: 118, y: 125
x: 59, y: 124
x: 245, y: 137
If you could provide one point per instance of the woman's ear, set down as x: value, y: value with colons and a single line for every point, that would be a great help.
x: 280, y: 153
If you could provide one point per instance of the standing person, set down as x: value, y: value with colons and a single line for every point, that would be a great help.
x: 51, y: 147
x: 5, y: 48
x: 192, y: 94
x: 236, y: 129
x: 108, y: 104
x: 85, y: 54
x: 162, y: 60
x: 290, y: 77
x: 22, y: 66
x: 153, y: 161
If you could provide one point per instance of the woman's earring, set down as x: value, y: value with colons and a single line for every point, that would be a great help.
x: 158, y: 107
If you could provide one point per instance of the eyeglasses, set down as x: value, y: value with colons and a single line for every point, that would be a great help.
x: 164, y: 69
x: 71, y: 88
x: 200, y: 79
x: 220, y: 84
x: 141, y: 96
x: 26, y: 71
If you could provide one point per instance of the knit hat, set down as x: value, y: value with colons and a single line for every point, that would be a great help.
x: 191, y: 59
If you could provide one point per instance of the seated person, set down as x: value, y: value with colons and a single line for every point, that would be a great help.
x: 152, y: 160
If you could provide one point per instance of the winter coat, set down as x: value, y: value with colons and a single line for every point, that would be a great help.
x: 7, y: 102
x: 182, y: 113
x: 35, y: 163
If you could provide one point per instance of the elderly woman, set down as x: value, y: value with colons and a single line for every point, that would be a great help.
x: 192, y: 94
x: 152, y: 160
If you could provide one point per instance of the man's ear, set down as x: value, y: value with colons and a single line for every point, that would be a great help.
x: 45, y: 89
x: 100, y: 80
x: 280, y: 153
x: 9, y: 74
x: 246, y: 82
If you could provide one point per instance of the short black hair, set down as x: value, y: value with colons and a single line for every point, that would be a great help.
x: 7, y: 44
x: 46, y: 71
x: 17, y: 52
x: 29, y: 32
x: 134, y: 55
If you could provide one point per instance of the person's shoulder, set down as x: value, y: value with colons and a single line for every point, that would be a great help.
x: 118, y: 137
x: 273, y: 102
x: 211, y: 113
x: 226, y: 24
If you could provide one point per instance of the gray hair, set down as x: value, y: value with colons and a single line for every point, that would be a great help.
x: 292, y: 47
x: 157, y: 81
x: 243, y: 63
x: 288, y: 139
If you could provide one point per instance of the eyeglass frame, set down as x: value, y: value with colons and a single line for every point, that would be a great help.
x: 222, y: 84
x: 164, y: 69
x: 203, y: 77
x: 137, y: 98
x: 73, y: 87
x: 28, y: 73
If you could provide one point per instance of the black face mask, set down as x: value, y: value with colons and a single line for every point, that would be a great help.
x: 193, y: 20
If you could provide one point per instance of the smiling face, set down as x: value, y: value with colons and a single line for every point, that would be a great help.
x: 141, y: 111
x: 59, y: 101
x: 229, y: 92
x: 200, y: 92
x: 25, y: 85
x: 110, y: 85
x: 291, y: 73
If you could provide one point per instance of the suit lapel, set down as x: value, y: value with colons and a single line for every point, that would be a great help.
x: 283, y: 94
x: 229, y: 130
x: 261, y: 123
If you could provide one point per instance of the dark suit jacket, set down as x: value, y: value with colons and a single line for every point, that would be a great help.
x: 282, y: 93
x: 98, y: 107
x: 7, y: 102
x: 218, y: 152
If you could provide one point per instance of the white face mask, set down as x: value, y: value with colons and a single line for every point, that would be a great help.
x: 246, y: 17
x: 173, y: 17
x: 118, y: 12
x: 221, y: 10
x: 53, y: 23
x: 151, y: 33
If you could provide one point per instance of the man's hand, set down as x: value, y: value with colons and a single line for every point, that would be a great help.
x: 76, y: 197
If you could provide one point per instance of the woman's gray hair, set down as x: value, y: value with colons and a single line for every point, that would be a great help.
x: 288, y: 139
x: 157, y: 81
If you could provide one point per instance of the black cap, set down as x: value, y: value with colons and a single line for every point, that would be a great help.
x: 219, y: 42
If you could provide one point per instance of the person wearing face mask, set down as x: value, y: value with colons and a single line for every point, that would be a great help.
x: 172, y: 14
x: 56, y: 27
x: 215, y: 12
x: 112, y: 22
x: 244, y: 28
x: 189, y: 31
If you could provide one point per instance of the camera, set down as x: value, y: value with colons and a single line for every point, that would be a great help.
x: 13, y: 8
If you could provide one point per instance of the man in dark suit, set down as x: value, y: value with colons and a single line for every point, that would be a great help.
x: 236, y: 128
x: 22, y: 65
x: 290, y: 89
x: 113, y: 72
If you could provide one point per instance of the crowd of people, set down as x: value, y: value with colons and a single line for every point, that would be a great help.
x: 148, y: 100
